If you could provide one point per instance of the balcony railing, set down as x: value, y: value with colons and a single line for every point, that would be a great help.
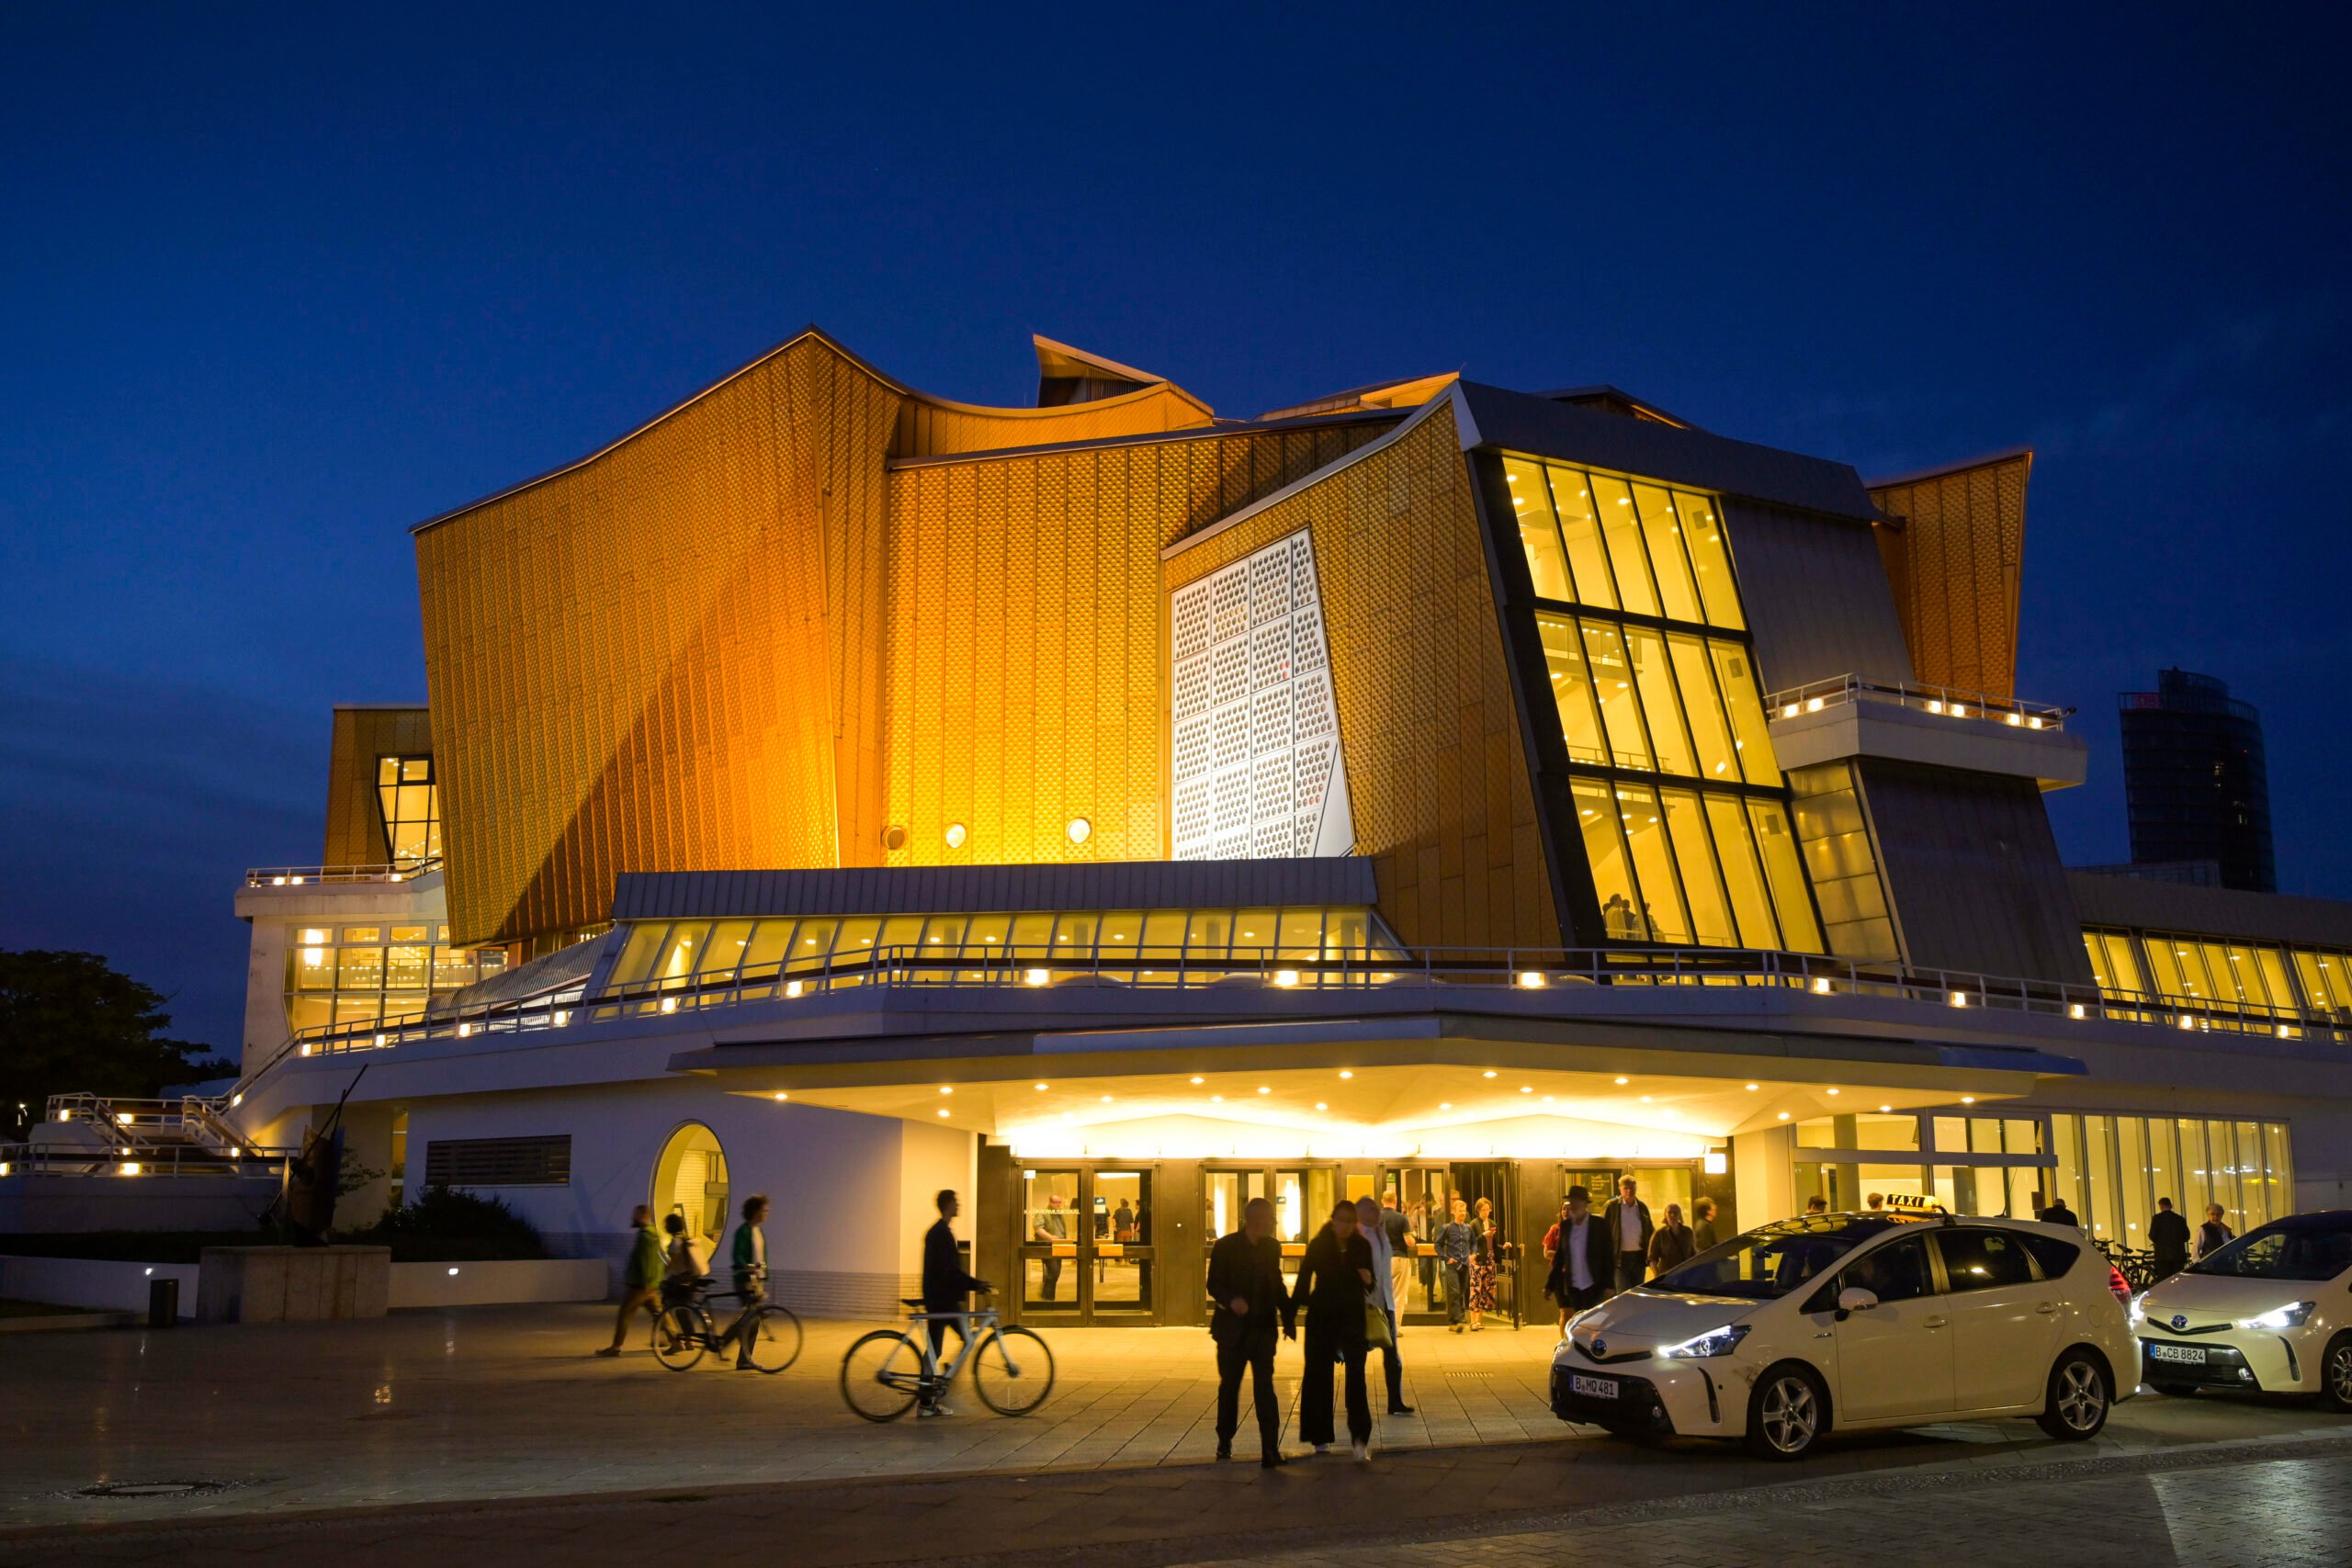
x: 95, y: 1134
x: 1946, y: 702
x: 1362, y: 972
x: 311, y: 875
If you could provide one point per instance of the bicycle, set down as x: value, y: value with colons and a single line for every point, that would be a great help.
x: 683, y: 1332
x: 885, y: 1372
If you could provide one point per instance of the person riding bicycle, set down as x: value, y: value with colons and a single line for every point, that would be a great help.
x: 946, y: 1288
x: 687, y: 1262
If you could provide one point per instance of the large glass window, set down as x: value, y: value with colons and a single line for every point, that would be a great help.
x: 355, y: 976
x: 410, y: 804
x: 2112, y: 1170
x: 1673, y: 863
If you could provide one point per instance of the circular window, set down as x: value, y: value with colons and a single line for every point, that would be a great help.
x: 690, y: 1180
x: 955, y: 835
x: 894, y: 837
x: 1080, y: 830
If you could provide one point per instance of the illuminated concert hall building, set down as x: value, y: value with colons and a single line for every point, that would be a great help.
x: 1115, y: 811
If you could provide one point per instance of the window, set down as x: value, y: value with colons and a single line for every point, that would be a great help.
x: 410, y: 805
x: 2111, y: 1170
x: 1895, y: 1272
x: 499, y: 1162
x: 1983, y: 1259
x: 357, y: 976
x: 2055, y: 1257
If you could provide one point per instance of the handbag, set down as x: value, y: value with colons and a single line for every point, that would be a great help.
x: 1376, y: 1332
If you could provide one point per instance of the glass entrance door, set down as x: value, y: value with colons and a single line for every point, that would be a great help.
x: 1085, y: 1250
x: 1420, y: 1190
x: 1303, y: 1197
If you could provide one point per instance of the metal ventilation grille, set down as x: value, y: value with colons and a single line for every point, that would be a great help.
x: 1256, y: 735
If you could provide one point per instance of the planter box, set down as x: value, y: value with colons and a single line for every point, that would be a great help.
x: 488, y: 1284
x: 94, y: 1283
x: 292, y: 1284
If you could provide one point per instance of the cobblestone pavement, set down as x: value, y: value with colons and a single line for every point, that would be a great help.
x: 491, y: 1432
x: 2243, y: 1512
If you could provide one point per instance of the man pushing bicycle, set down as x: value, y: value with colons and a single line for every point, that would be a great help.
x: 946, y: 1288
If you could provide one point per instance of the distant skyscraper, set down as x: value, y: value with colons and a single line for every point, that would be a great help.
x: 2194, y: 780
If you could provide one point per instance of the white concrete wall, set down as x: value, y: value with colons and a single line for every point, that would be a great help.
x: 45, y: 1205
x: 92, y: 1283
x: 838, y: 1234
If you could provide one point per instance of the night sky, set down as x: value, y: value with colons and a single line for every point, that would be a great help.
x: 276, y: 284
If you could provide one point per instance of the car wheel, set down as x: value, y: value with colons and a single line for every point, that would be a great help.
x: 1788, y: 1414
x: 2336, y: 1374
x: 2079, y: 1396
x: 2175, y: 1390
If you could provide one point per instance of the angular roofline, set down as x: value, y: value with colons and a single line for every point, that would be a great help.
x: 2007, y: 454
x: 834, y: 343
x: 1193, y: 433
x: 1606, y: 389
x: 1117, y: 371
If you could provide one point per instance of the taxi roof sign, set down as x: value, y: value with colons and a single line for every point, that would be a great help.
x: 1914, y: 1204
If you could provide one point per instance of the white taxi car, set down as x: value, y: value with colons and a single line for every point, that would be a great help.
x: 2270, y: 1313
x: 1848, y: 1321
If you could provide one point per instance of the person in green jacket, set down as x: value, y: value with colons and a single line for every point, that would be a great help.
x: 641, y: 1280
x: 750, y: 1263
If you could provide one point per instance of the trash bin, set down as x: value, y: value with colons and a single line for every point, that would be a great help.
x: 162, y: 1303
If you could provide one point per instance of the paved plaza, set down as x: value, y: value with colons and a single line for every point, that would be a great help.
x: 492, y: 1430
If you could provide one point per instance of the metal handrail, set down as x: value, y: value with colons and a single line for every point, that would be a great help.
x: 1361, y: 969
x: 304, y: 875
x: 170, y: 1160
x: 1950, y: 702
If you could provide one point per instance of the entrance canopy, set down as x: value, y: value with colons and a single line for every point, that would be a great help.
x: 1424, y: 1087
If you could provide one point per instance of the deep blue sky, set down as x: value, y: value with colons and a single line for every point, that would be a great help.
x: 276, y: 284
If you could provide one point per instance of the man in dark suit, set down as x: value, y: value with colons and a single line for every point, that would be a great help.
x: 1584, y: 1257
x: 2168, y: 1238
x: 1250, y: 1307
x: 1628, y: 1224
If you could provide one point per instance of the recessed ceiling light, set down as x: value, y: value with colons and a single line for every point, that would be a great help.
x: 1527, y: 1088
x: 1320, y: 1106
x: 1968, y: 1099
x: 1886, y: 1108
x: 1784, y: 1115
x: 1445, y: 1105
x: 1345, y: 1074
x: 1624, y: 1080
x: 1197, y: 1080
x: 1107, y: 1100
x: 944, y: 1089
x: 1645, y: 1100
x: 1264, y: 1090
x: 1833, y: 1091
x: 1041, y: 1089
x: 1490, y: 1073
x: 1751, y: 1086
x: 1216, y: 1099
x: 781, y: 1095
x: 942, y: 1111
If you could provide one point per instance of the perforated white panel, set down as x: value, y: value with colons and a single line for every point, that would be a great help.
x: 1256, y: 746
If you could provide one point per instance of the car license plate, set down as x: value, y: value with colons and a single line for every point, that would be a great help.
x: 1595, y: 1388
x: 2186, y: 1354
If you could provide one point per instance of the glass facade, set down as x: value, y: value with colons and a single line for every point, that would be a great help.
x: 707, y: 952
x: 2233, y: 983
x: 2111, y: 1169
x: 1843, y: 863
x: 351, y: 976
x: 1683, y: 814
x: 410, y: 804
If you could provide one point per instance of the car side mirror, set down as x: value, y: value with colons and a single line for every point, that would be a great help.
x: 1853, y: 1299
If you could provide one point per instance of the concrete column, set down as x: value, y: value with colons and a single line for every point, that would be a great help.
x: 1761, y: 1176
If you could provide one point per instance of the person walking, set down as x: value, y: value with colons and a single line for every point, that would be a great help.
x: 946, y: 1288
x: 641, y: 1278
x: 2168, y: 1239
x: 2059, y: 1214
x: 1453, y: 1256
x: 749, y: 1259
x: 1399, y: 1232
x: 1584, y: 1262
x: 1052, y: 1226
x: 1333, y: 1279
x: 2214, y: 1233
x: 1630, y: 1227
x: 1383, y: 1294
x: 1485, y: 1242
x: 1248, y: 1309
x: 1671, y: 1246
x: 1702, y: 1225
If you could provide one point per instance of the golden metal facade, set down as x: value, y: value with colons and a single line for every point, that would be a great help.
x: 688, y: 650
x: 1025, y: 671
x: 1437, y: 777
x: 355, y: 834
x: 1955, y: 565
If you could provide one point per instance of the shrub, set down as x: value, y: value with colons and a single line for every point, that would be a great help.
x: 445, y: 1225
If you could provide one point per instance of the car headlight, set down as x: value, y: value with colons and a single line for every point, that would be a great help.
x: 1714, y: 1342
x: 2137, y: 1311
x: 2293, y: 1316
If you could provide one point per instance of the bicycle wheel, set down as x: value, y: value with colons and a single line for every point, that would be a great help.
x: 880, y: 1374
x: 777, y: 1344
x: 1014, y: 1371
x: 681, y: 1335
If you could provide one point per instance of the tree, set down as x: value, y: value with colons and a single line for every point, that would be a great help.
x: 69, y: 1021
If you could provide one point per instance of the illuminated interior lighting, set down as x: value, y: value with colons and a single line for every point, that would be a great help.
x: 1527, y: 1088
x: 123, y: 1117
x: 1790, y: 710
x: 306, y: 1046
x: 1959, y: 998
x: 2076, y: 1011
x: 1883, y: 1108
x: 1216, y: 1099
x: 2014, y: 719
x: 1320, y: 1106
x: 781, y: 1095
x: 562, y: 1017
x: 942, y: 1111
x: 1822, y: 988
x: 1490, y: 1072
x: 1196, y: 1079
x: 1285, y: 978
x: 944, y: 1089
x: 1041, y: 1088
x: 1033, y: 977
x: 669, y: 1004
x: 1646, y: 1099
x: 1935, y: 706
x: 1813, y: 706
x: 1107, y: 1100
x: 1624, y: 1080
x: 1445, y: 1105
x: 1531, y: 980
x: 792, y: 988
x: 1968, y: 1099
x: 1753, y: 1086
x: 1345, y: 1073
x: 1784, y: 1115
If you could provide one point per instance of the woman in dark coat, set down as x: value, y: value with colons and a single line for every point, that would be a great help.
x: 1672, y: 1245
x: 1332, y: 1281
